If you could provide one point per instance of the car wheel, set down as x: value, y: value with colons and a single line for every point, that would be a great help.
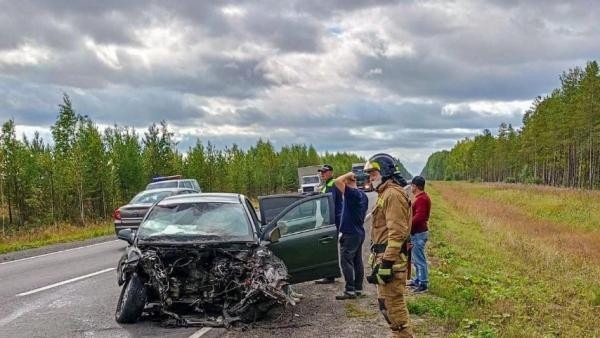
x: 131, y: 301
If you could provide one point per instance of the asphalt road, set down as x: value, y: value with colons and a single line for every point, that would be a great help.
x: 72, y: 293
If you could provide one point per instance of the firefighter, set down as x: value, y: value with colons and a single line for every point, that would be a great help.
x: 390, y: 231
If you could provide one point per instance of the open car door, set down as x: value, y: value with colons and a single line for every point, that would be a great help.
x: 271, y: 206
x: 308, y: 243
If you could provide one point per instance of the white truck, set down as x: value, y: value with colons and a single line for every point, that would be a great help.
x: 309, y: 179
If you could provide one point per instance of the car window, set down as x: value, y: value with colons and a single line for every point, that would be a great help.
x: 149, y: 196
x: 187, y: 184
x: 196, y: 186
x: 307, y: 215
x: 187, y: 220
x: 161, y: 185
x: 310, y: 180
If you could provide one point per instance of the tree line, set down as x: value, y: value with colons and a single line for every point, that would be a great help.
x: 85, y: 173
x: 558, y: 144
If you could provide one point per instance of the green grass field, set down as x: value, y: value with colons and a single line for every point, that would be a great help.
x: 512, y: 261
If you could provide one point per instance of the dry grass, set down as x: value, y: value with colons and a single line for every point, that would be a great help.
x: 354, y: 310
x: 501, y: 268
x: 552, y: 237
x: 28, y: 238
x: 578, y: 209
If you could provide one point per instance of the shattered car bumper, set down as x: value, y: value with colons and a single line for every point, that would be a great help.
x: 201, y: 286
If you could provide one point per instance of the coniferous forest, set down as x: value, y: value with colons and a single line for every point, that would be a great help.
x: 85, y: 173
x: 558, y: 144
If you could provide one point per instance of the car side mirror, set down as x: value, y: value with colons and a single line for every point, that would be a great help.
x: 283, y: 227
x: 274, y: 235
x: 126, y: 235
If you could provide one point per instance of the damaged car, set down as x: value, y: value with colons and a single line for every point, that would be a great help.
x: 208, y: 260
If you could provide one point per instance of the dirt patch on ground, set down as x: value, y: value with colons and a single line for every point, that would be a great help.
x: 558, y: 237
x: 320, y: 315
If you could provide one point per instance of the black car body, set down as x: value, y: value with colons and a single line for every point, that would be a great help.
x: 207, y: 259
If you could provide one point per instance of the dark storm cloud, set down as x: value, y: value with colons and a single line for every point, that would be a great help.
x: 407, y: 125
x: 60, y: 24
x: 482, y: 52
x: 362, y: 114
x: 37, y: 105
x: 26, y: 103
x: 327, y: 8
x: 435, y: 77
x: 370, y: 74
x: 147, y: 106
x: 218, y: 77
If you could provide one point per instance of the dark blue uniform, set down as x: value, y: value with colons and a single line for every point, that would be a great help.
x: 352, y: 238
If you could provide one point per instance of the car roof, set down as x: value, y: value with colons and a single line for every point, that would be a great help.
x: 174, y: 180
x: 204, y: 197
x: 166, y: 189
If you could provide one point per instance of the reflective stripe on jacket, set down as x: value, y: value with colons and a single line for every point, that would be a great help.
x: 328, y: 185
x: 391, y: 219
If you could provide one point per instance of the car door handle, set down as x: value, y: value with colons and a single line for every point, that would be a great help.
x: 325, y: 239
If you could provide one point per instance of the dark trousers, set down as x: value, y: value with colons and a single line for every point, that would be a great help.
x: 351, y: 261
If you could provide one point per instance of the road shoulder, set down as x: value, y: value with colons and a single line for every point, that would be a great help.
x: 16, y: 255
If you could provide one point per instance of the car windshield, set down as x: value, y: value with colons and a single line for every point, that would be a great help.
x: 161, y: 185
x: 310, y: 179
x: 209, y: 220
x: 149, y: 197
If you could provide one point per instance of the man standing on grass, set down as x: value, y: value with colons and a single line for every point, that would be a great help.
x: 352, y: 235
x: 419, y: 234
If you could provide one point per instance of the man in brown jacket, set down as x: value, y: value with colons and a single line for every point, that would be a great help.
x: 389, y: 231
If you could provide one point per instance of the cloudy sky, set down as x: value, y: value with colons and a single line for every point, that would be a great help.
x: 406, y: 77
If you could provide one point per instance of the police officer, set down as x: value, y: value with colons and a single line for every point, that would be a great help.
x: 326, y: 172
x: 390, y: 229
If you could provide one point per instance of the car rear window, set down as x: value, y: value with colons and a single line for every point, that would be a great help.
x: 149, y: 197
x: 161, y: 185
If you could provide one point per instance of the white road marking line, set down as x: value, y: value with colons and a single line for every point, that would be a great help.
x: 64, y: 282
x: 55, y: 252
x: 200, y: 332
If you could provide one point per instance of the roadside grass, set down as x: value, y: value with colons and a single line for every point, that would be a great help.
x: 579, y: 209
x: 354, y: 310
x: 45, y: 235
x: 490, y: 279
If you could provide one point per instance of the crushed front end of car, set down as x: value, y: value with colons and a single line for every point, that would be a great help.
x: 207, y: 285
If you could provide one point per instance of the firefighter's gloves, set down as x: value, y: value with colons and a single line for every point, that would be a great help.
x: 385, y: 274
x: 382, y: 273
x: 372, y: 279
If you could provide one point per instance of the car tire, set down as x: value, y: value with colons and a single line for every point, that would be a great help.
x: 131, y: 301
